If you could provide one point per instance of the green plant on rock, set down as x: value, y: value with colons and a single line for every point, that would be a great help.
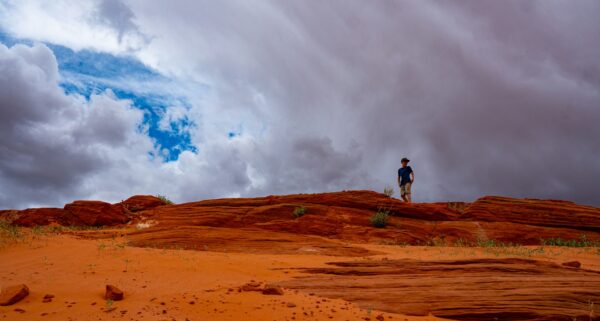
x: 164, y: 199
x: 388, y: 191
x: 299, y: 211
x: 380, y: 219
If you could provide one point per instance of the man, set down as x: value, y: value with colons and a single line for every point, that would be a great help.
x: 406, y: 177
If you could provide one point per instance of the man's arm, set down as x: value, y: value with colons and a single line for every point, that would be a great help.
x: 412, y: 177
x: 398, y: 180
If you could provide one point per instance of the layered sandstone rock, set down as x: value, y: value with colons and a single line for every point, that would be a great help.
x: 550, y: 213
x: 345, y: 216
x: 475, y: 289
x: 342, y: 215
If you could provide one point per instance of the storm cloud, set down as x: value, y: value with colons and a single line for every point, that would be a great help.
x: 484, y: 97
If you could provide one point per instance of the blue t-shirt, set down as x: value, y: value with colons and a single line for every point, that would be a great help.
x: 404, y: 173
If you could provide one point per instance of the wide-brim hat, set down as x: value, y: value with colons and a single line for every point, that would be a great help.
x: 405, y: 160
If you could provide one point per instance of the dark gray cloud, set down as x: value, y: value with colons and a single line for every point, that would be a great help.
x: 118, y: 16
x: 485, y: 97
x: 50, y: 142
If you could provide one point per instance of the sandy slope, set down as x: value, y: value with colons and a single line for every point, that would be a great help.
x: 160, y: 284
x: 197, y: 285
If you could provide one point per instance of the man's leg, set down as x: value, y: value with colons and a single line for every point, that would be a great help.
x: 403, y: 193
x: 407, y: 187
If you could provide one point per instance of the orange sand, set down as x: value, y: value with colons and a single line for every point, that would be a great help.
x: 194, y: 285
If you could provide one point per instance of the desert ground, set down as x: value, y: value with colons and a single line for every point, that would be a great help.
x: 304, y: 257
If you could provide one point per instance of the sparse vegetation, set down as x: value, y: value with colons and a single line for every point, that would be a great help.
x: 109, y: 306
x: 164, y: 199
x: 457, y: 206
x: 380, y: 219
x: 581, y: 242
x: 388, y: 191
x: 299, y: 211
x: 9, y: 233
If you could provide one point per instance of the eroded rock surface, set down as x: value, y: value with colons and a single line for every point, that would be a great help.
x: 342, y: 216
x: 345, y: 216
x: 476, y: 289
x: 550, y: 213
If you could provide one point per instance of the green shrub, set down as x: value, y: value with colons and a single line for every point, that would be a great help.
x: 164, y: 199
x: 380, y: 219
x: 9, y: 233
x: 388, y: 191
x: 581, y: 242
x: 299, y: 211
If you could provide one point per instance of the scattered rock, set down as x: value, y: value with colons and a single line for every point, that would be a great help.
x: 380, y: 317
x: 13, y: 294
x: 575, y: 264
x: 113, y: 293
x: 19, y: 310
x: 48, y: 298
x: 252, y: 286
x: 272, y: 290
x: 291, y: 305
x: 110, y: 309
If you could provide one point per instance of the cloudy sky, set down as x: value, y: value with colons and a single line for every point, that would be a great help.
x: 103, y: 99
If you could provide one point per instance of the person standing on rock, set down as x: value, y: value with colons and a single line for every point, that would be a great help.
x: 406, y: 177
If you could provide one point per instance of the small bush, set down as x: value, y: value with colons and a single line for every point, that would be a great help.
x: 9, y: 233
x: 164, y: 199
x: 581, y: 242
x: 299, y: 211
x: 457, y: 206
x: 388, y: 191
x: 380, y: 219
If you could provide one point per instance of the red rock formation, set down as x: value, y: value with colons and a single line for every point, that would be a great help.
x: 95, y: 213
x: 40, y: 216
x: 141, y: 203
x: 345, y: 216
x: 83, y: 213
x: 477, y: 289
x: 359, y: 200
x: 534, y: 212
x: 342, y: 215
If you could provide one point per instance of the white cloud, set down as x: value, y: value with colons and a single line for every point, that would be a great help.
x: 75, y: 24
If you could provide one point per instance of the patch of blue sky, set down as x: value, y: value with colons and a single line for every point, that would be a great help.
x: 8, y: 40
x: 102, y: 65
x: 87, y: 72
x: 235, y: 132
